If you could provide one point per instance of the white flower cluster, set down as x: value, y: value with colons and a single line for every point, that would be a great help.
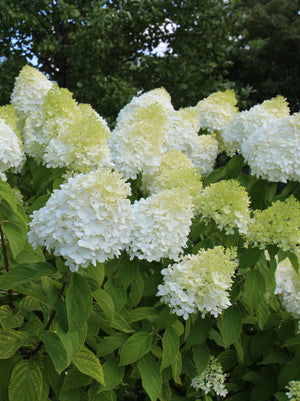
x: 29, y: 90
x: 161, y: 225
x: 203, y: 153
x: 217, y: 111
x: 211, y: 379
x: 293, y: 392
x: 288, y: 287
x: 199, y: 282
x: 87, y: 220
x: 136, y: 143
x: 11, y: 152
x: 245, y: 123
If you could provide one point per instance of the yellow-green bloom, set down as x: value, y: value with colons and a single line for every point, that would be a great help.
x: 175, y: 171
x: 227, y: 203
x: 57, y: 112
x: 278, y: 225
x: 8, y: 114
x: 199, y: 282
x: 136, y: 143
x: 217, y: 111
x: 29, y: 90
x: 293, y: 388
x: 82, y: 145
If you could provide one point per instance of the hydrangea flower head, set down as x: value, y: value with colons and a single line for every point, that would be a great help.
x: 57, y: 112
x: 279, y: 225
x: 183, y: 130
x: 217, y: 111
x: 211, y: 379
x: 136, y: 143
x: 227, y: 203
x: 288, y: 287
x: 199, y: 282
x: 81, y: 145
x: 273, y: 150
x: 11, y: 151
x: 175, y: 171
x: 8, y: 114
x: 161, y: 224
x: 158, y: 95
x: 245, y: 123
x: 87, y: 220
x: 293, y: 392
x: 203, y: 153
x: 29, y: 90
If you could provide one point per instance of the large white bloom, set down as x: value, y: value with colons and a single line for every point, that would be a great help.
x: 203, y: 153
x: 211, y: 379
x: 199, y: 282
x: 87, y: 220
x: 217, y: 111
x: 161, y: 224
x: 11, y: 153
x: 30, y: 88
x: 293, y: 392
x: 273, y: 149
x: 245, y: 123
x: 288, y: 287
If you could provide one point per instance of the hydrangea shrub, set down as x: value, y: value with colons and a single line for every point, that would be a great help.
x: 156, y: 260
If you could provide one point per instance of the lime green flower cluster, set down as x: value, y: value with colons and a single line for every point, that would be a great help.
x: 63, y: 133
x: 175, y: 171
x: 8, y: 114
x: 29, y: 90
x: 278, y: 225
x: 293, y: 393
x: 226, y: 203
x: 217, y: 111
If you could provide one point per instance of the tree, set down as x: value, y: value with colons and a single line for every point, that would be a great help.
x: 266, y: 49
x: 108, y: 46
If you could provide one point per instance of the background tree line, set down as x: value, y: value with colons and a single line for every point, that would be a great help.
x: 106, y: 51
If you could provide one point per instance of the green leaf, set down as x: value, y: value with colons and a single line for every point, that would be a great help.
x: 127, y: 272
x: 16, y: 235
x: 24, y: 273
x: 39, y: 203
x: 177, y: 367
x: 87, y: 362
x: 78, y: 302
x: 135, y: 347
x: 11, y: 340
x: 8, y: 320
x: 249, y: 257
x: 142, y: 313
x: 201, y: 357
x: 121, y: 324
x: 262, y: 313
x: 136, y: 290
x: 170, y: 344
x: 56, y: 350
x: 7, y: 194
x: 113, y: 374
x: 75, y: 379
x: 150, y: 374
x: 73, y: 340
x: 105, y: 302
x: 255, y: 287
x: 290, y: 371
x: 26, y: 382
x: 109, y: 344
x: 199, y: 331
x: 231, y: 325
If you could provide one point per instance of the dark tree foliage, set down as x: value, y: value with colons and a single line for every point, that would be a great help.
x: 266, y: 51
x: 103, y: 50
